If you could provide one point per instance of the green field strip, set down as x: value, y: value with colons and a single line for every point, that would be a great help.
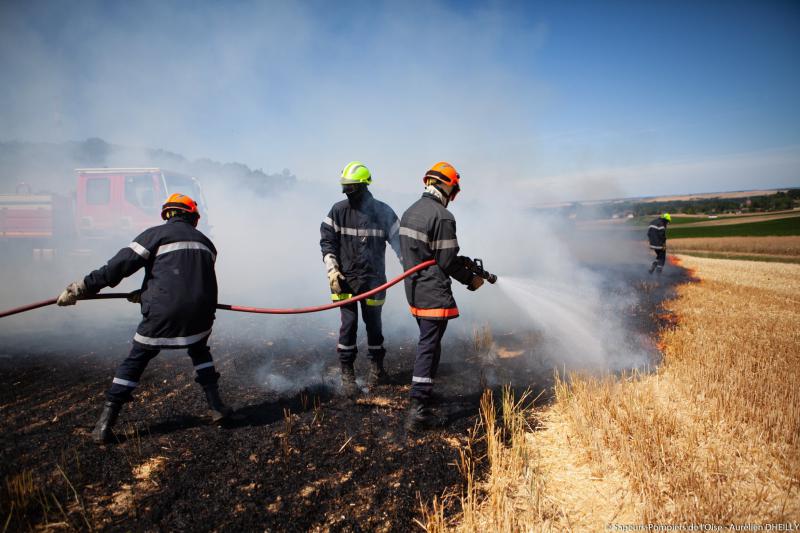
x: 766, y: 228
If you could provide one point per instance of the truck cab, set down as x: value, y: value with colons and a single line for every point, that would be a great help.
x: 121, y: 202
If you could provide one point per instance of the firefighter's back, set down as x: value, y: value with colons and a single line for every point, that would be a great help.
x: 179, y: 293
x: 425, y: 222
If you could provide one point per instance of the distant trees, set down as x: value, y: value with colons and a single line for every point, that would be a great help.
x: 50, y: 167
x: 779, y: 201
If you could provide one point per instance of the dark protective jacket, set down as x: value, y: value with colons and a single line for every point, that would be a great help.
x: 428, y: 231
x: 657, y: 233
x: 355, y: 232
x: 179, y: 291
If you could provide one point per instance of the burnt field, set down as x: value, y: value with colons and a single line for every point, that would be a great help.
x: 297, y: 458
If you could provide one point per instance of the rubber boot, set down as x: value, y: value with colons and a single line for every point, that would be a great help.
x: 653, y: 267
x: 376, y: 375
x: 216, y: 407
x: 349, y: 385
x: 102, y: 433
x: 420, y: 417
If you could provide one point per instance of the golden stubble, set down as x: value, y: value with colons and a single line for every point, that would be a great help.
x: 788, y: 246
x: 712, y: 437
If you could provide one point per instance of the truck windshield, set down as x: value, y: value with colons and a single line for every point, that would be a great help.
x: 140, y: 191
x: 183, y: 184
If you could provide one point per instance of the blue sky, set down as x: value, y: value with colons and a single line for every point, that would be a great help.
x: 555, y: 100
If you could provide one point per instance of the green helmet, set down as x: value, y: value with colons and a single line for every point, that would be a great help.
x: 355, y: 172
x: 667, y: 217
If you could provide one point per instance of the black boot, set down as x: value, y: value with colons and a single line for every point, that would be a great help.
x: 216, y: 407
x: 349, y: 385
x: 420, y: 417
x: 102, y: 430
x: 653, y: 267
x: 376, y: 375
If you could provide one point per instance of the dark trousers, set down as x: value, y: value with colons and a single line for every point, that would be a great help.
x: 661, y: 257
x: 130, y: 370
x: 348, y: 332
x: 429, y: 351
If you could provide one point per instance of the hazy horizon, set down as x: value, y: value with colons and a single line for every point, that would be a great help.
x: 552, y: 101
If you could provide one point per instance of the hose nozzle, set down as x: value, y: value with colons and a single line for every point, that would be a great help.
x: 476, y: 267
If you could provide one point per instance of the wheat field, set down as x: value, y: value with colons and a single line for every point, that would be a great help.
x: 713, y: 437
x: 778, y: 246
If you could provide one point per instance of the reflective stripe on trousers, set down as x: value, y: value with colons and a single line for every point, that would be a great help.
x: 429, y: 351
x: 130, y: 370
x: 349, y: 328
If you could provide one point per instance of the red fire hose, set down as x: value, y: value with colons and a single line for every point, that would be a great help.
x: 243, y: 309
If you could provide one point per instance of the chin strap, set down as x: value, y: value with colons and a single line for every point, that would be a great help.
x: 438, y: 193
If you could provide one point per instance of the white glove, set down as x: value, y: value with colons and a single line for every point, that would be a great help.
x: 334, y: 275
x: 72, y: 293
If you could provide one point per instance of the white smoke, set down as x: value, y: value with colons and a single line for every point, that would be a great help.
x: 248, y: 84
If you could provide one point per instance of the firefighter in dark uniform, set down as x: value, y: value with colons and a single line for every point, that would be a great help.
x: 178, y: 302
x: 428, y: 231
x: 657, y: 235
x: 353, y: 241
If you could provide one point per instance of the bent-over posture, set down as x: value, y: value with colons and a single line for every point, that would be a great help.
x: 178, y: 303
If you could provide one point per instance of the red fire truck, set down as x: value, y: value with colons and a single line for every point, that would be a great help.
x: 108, y: 205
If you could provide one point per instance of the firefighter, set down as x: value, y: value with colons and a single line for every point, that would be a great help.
x: 657, y: 235
x: 353, y: 241
x: 178, y: 301
x: 428, y: 231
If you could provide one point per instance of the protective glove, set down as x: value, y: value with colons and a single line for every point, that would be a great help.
x: 334, y: 275
x: 475, y: 283
x: 333, y: 280
x: 74, y: 292
x: 135, y: 297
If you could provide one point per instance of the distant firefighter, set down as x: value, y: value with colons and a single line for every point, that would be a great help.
x: 178, y: 301
x: 353, y: 241
x: 657, y: 235
x: 428, y: 231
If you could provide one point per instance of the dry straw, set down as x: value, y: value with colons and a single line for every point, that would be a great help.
x: 712, y: 437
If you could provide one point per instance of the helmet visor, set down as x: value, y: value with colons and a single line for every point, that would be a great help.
x: 455, y: 191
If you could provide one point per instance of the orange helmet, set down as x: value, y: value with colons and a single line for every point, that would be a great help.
x: 447, y: 174
x: 181, y: 202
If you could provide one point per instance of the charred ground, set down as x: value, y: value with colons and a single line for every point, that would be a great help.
x: 300, y: 460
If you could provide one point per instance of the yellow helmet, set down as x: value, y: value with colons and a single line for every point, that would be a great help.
x: 355, y: 172
x: 667, y: 217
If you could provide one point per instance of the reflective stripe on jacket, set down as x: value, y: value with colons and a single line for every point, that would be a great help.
x: 657, y: 233
x: 428, y: 231
x: 355, y: 232
x: 179, y: 290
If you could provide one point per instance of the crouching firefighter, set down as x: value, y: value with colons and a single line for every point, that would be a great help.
x: 657, y: 235
x: 428, y: 231
x: 178, y: 302
x: 353, y: 240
